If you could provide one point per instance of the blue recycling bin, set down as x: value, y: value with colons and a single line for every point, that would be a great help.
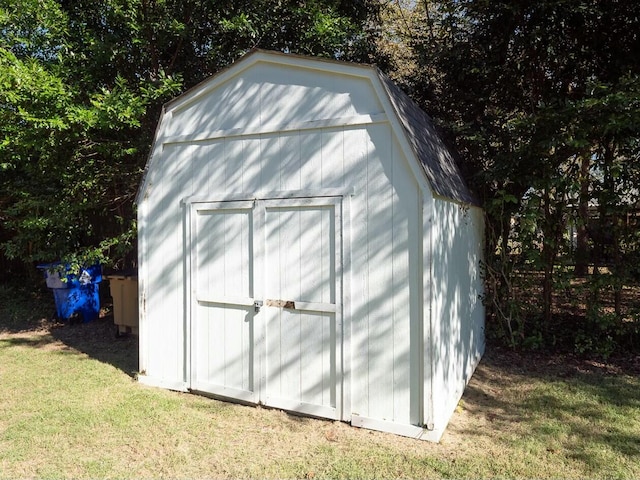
x: 76, y: 294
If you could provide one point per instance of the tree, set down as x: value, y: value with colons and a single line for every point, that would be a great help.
x: 81, y: 86
x: 532, y: 93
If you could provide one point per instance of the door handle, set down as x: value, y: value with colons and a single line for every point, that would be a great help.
x: 257, y: 305
x: 281, y: 303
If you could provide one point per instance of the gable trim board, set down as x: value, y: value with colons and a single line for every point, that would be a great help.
x: 306, y: 241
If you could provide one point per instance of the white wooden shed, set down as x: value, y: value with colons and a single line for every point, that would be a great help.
x: 306, y: 242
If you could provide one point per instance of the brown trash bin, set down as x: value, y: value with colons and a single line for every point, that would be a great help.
x: 124, y: 291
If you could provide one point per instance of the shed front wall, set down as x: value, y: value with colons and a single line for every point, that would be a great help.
x: 384, y: 232
x: 272, y: 95
x: 383, y: 371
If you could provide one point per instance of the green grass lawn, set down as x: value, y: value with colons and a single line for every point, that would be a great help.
x: 71, y: 408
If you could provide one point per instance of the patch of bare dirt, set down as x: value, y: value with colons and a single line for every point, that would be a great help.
x: 559, y: 364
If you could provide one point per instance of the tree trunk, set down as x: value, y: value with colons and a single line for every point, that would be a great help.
x: 548, y: 260
x: 553, y: 228
x: 582, y: 245
x: 613, y: 207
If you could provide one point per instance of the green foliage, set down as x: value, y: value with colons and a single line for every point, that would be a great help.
x: 81, y: 87
x: 67, y: 161
x: 541, y: 99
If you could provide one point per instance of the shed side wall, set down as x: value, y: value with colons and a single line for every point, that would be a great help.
x: 458, y: 312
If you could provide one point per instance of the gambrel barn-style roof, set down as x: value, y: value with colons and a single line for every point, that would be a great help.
x: 438, y: 161
x: 307, y: 242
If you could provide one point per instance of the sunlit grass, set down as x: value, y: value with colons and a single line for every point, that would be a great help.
x: 65, y: 414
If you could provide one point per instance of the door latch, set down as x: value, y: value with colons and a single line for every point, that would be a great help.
x: 256, y: 305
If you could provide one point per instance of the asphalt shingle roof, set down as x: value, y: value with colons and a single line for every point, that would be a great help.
x: 436, y: 158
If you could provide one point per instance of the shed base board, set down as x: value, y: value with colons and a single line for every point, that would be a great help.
x: 158, y: 382
x: 305, y: 409
x: 240, y: 400
x: 411, y: 431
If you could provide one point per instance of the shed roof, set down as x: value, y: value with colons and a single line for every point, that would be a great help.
x: 436, y: 158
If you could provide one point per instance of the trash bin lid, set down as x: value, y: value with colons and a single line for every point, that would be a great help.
x: 122, y: 274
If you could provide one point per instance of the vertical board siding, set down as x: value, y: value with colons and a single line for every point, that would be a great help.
x: 223, y: 239
x: 414, y: 320
x: 404, y: 203
x: 300, y: 266
x: 381, y: 309
x: 333, y: 150
x: 271, y: 95
x: 165, y: 303
x: 356, y: 150
x: 222, y: 270
x: 251, y: 176
x: 271, y: 171
x: 291, y: 161
x: 458, y: 335
x: 200, y: 157
x: 383, y: 384
x: 385, y: 199
x: 379, y: 297
x: 267, y: 163
x: 312, y: 160
x: 234, y: 165
x: 445, y: 302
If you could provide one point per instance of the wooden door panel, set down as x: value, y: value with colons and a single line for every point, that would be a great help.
x: 223, y: 314
x: 300, y: 307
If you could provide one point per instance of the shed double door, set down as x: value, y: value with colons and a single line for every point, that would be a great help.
x: 266, y: 314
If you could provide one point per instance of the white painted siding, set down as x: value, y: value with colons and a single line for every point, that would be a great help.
x: 408, y: 254
x: 222, y: 272
x: 458, y: 313
x: 164, y: 285
x: 276, y: 96
x: 385, y: 214
x: 384, y: 207
x: 302, y: 344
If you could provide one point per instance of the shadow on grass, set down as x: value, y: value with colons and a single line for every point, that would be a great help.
x: 559, y: 402
x: 40, y: 341
x: 24, y: 310
x: 97, y: 340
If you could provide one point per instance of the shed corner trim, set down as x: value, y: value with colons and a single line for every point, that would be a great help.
x: 411, y: 431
